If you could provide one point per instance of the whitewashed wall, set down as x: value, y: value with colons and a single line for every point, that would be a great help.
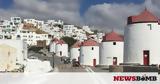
x: 75, y: 53
x: 52, y: 47
x: 108, y: 51
x: 139, y: 37
x: 87, y: 55
x: 11, y: 54
x: 62, y: 48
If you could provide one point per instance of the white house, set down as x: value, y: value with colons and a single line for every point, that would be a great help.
x: 52, y: 45
x: 37, y: 23
x: 111, y: 49
x: 75, y: 51
x: 28, y: 33
x: 61, y: 49
x: 55, y: 22
x: 7, y: 27
x: 89, y: 53
x: 16, y: 20
x: 68, y: 30
x: 53, y: 30
x: 141, y: 39
x: 13, y: 53
x: 87, y: 29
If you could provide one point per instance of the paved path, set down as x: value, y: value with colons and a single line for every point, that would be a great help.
x: 69, y: 68
x: 59, y: 66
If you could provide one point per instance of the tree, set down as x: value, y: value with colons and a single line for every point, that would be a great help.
x: 95, y: 31
x: 69, y: 40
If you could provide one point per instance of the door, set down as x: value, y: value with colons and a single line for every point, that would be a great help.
x: 78, y: 58
x: 94, y: 62
x: 114, y: 60
x: 8, y: 56
x: 60, y: 53
x: 146, y: 57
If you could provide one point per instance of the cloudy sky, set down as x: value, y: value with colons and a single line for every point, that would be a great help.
x: 102, y: 14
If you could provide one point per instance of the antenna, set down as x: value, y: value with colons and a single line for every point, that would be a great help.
x: 112, y: 30
x: 147, y: 4
x: 145, y: 8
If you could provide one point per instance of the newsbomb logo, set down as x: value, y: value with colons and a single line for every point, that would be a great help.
x: 135, y: 78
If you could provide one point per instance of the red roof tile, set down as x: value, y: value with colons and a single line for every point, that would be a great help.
x: 61, y: 42
x: 143, y: 17
x: 89, y: 43
x: 76, y: 45
x: 112, y: 36
x: 55, y: 40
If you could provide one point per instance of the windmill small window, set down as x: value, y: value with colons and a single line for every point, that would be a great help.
x: 114, y: 43
x: 92, y: 48
x: 150, y: 26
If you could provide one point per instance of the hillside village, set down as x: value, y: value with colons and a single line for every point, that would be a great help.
x: 31, y: 30
x: 39, y: 34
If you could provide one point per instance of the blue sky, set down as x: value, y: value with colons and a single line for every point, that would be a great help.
x: 6, y: 3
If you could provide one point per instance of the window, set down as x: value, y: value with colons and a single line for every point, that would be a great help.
x: 25, y: 39
x: 150, y: 26
x: 114, y: 43
x: 23, y: 31
x: 60, y: 53
x: 18, y: 36
x: 7, y: 37
x: 16, y: 59
x: 24, y: 36
x: 13, y: 30
x: 92, y: 48
x: 1, y: 36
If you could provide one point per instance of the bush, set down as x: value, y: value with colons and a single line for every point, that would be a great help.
x: 69, y: 40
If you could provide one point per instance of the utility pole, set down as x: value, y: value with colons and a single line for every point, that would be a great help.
x: 53, y: 58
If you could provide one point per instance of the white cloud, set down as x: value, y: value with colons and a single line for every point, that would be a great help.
x: 103, y: 16
x: 68, y: 10
x: 114, y: 16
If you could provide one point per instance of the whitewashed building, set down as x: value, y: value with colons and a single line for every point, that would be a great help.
x: 68, y: 30
x: 7, y: 27
x: 111, y: 49
x: 100, y: 36
x: 13, y: 53
x: 31, y: 34
x: 55, y: 22
x: 16, y: 20
x: 53, y: 29
x: 52, y: 45
x: 35, y: 22
x: 141, y: 39
x: 75, y: 51
x: 61, y: 49
x: 89, y: 53
x: 87, y: 29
